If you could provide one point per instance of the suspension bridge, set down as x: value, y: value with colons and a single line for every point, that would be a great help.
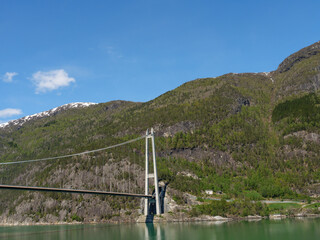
x: 122, y: 172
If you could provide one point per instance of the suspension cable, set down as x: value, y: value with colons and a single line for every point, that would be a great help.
x: 75, y: 154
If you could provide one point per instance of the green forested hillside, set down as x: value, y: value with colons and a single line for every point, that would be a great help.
x: 250, y: 135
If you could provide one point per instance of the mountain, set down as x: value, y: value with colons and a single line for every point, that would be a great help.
x: 52, y: 112
x: 299, y: 73
x: 246, y: 136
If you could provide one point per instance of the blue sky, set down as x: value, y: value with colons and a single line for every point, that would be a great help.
x: 63, y: 51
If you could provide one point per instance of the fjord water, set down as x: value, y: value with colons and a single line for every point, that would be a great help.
x: 292, y: 229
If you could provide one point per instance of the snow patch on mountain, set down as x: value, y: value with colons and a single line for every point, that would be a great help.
x: 2, y: 125
x: 21, y: 121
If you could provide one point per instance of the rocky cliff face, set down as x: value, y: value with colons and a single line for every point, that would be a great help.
x: 299, y: 56
x: 299, y: 73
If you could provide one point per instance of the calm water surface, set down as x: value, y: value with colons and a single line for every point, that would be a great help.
x: 292, y: 229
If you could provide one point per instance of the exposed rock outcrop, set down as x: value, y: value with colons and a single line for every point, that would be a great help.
x: 211, y: 156
x: 304, y: 53
x: 313, y: 137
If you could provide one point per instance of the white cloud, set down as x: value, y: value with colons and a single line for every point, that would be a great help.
x: 9, y: 112
x: 51, y: 80
x: 8, y: 76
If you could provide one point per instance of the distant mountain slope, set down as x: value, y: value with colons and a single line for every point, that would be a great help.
x: 299, y: 73
x: 299, y: 56
x: 21, y: 121
x: 248, y: 134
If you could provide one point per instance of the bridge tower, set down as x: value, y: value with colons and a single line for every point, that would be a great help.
x: 153, y: 175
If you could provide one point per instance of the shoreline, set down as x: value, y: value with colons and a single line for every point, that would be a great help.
x: 164, y: 219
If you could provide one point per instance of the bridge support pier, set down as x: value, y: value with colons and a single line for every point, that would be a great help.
x: 146, y: 200
x: 153, y: 175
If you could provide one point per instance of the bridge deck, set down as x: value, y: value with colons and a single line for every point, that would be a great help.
x: 63, y: 190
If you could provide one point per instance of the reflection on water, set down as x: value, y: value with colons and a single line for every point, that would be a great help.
x: 292, y: 229
x: 153, y: 232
